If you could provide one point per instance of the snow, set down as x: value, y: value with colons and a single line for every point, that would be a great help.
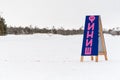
x: 55, y: 57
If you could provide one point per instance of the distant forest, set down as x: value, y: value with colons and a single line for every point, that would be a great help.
x: 61, y: 31
x: 31, y: 30
x: 4, y: 29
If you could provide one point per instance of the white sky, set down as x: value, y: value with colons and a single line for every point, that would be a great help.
x: 59, y: 13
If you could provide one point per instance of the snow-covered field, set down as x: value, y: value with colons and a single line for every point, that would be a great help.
x: 55, y: 57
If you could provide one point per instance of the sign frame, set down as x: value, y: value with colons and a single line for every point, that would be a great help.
x: 100, y: 39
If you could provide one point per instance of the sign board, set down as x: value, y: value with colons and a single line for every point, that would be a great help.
x: 93, y: 39
x: 90, y: 39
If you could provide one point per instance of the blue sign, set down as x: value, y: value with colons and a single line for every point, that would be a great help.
x: 91, y: 36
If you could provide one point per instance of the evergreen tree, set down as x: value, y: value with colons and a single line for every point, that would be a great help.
x: 3, y: 26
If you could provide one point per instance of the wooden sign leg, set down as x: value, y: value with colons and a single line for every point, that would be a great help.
x: 102, y: 39
x: 96, y: 60
x: 106, y: 57
x: 81, y: 59
x: 92, y: 58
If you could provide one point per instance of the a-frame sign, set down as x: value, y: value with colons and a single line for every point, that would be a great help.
x: 93, y: 39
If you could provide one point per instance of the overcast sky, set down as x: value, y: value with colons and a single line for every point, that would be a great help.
x: 59, y: 13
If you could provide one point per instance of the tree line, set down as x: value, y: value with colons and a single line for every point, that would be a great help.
x: 31, y: 30
x: 4, y: 29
